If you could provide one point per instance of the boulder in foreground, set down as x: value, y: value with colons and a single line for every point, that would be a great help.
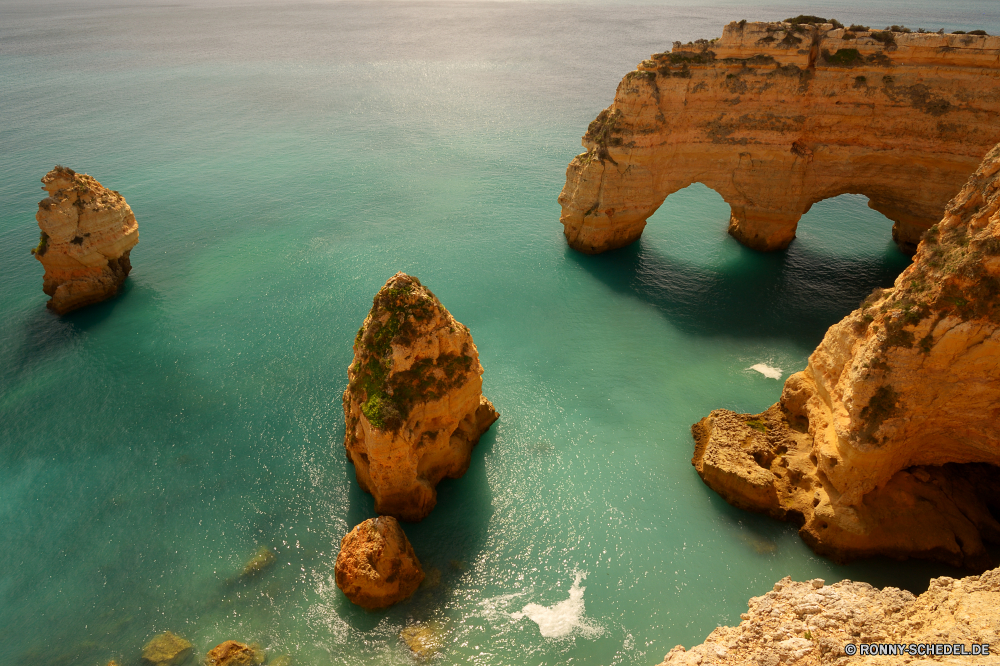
x: 376, y: 566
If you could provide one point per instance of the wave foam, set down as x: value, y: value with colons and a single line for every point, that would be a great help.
x: 767, y: 371
x: 562, y: 618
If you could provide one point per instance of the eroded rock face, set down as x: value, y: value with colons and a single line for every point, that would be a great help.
x: 775, y: 117
x: 166, y: 649
x: 376, y: 566
x: 87, y: 234
x: 414, y: 404
x: 808, y: 624
x: 888, y: 442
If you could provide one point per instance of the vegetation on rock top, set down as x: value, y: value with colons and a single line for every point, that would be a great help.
x: 399, y: 311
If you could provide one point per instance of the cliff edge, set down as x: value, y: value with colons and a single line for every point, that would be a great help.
x: 414, y: 402
x: 810, y: 623
x: 87, y: 234
x: 889, y: 441
x: 777, y: 116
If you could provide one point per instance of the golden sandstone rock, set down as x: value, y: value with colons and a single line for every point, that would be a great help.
x: 232, y: 653
x: 87, y: 234
x: 376, y: 566
x: 166, y: 649
x: 888, y: 442
x: 808, y: 624
x: 775, y: 117
x: 414, y: 405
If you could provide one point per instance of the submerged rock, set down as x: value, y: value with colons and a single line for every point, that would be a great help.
x: 414, y: 405
x: 809, y: 623
x: 166, y: 649
x: 376, y: 566
x: 424, y: 640
x: 888, y: 442
x: 264, y: 558
x: 88, y: 232
x: 233, y: 653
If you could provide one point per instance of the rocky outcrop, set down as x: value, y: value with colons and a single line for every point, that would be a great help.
x: 166, y: 649
x: 87, y: 234
x: 888, y: 442
x: 809, y: 624
x: 414, y: 404
x: 775, y: 117
x: 376, y: 566
x: 233, y: 653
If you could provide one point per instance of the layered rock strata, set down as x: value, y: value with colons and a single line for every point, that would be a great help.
x: 889, y: 441
x: 808, y: 624
x: 775, y: 117
x: 414, y: 405
x: 87, y: 234
x: 376, y: 566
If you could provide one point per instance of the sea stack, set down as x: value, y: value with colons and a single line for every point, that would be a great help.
x: 777, y: 116
x: 888, y: 442
x: 87, y: 234
x: 414, y: 405
x: 376, y: 566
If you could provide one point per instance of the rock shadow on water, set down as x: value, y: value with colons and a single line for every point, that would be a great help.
x: 45, y: 335
x: 794, y: 294
x: 765, y: 537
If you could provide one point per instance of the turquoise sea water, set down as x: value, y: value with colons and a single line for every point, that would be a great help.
x: 283, y: 160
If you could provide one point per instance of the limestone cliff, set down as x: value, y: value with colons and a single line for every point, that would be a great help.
x: 808, y: 624
x: 87, y: 234
x: 376, y: 566
x: 775, y: 117
x: 888, y: 441
x: 414, y: 405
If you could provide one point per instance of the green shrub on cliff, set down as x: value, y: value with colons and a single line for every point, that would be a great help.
x: 43, y: 245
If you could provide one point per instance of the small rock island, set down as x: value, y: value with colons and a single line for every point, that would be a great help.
x: 87, y: 234
x: 414, y: 404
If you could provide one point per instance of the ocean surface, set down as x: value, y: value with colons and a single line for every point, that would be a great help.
x: 285, y: 159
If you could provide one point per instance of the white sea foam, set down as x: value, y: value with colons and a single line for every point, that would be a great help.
x: 563, y: 618
x: 767, y: 371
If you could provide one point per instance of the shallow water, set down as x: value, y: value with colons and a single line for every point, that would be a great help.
x: 283, y: 160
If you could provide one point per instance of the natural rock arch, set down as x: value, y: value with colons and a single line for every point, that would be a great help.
x: 776, y: 117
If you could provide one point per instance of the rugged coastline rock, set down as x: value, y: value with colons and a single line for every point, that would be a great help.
x: 376, y: 566
x: 808, y: 624
x: 87, y: 234
x: 889, y: 441
x: 414, y: 405
x: 777, y: 116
